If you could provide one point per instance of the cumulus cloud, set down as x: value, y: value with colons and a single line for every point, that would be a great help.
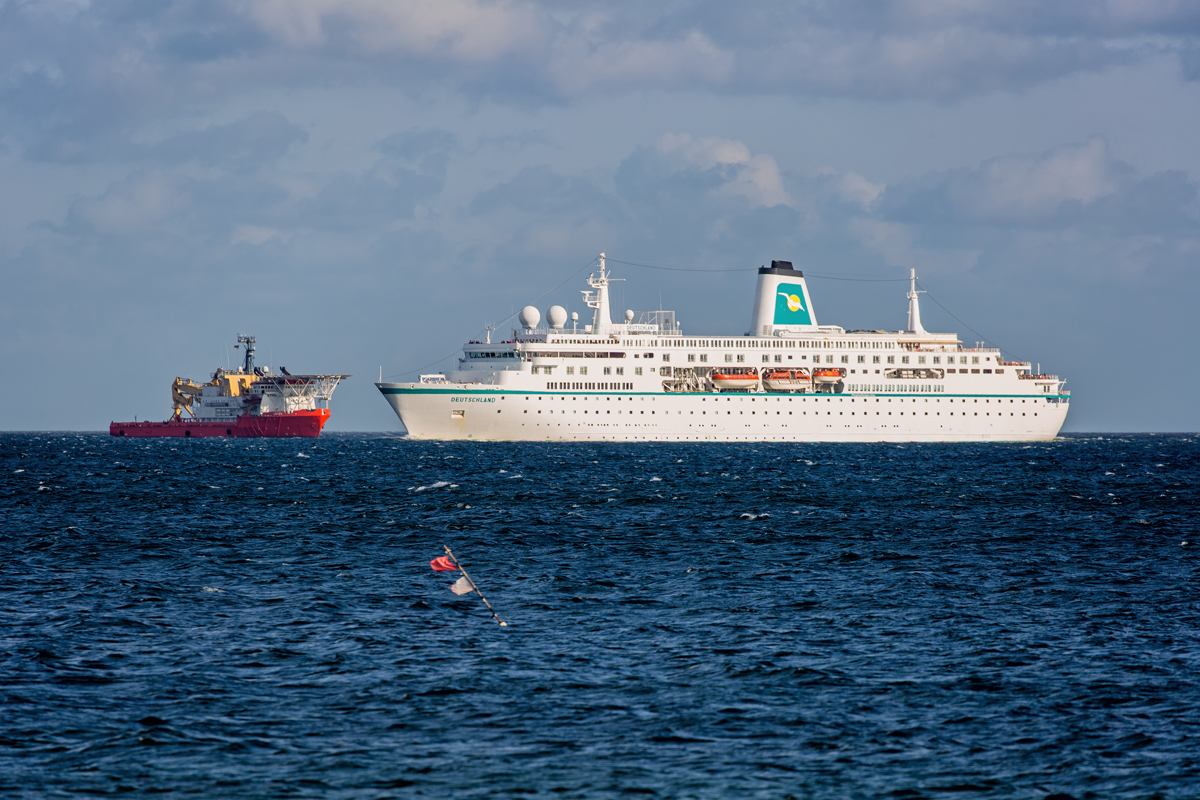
x: 899, y: 246
x: 1095, y: 213
x: 859, y: 49
x: 77, y: 75
x: 1014, y: 188
x: 253, y: 141
x: 540, y: 189
x: 427, y: 149
x: 257, y: 235
x: 1023, y: 187
x: 131, y: 205
x: 577, y: 66
x: 853, y: 188
x: 466, y: 30
x: 754, y: 178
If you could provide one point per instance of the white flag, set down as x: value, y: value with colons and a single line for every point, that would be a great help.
x: 462, y: 586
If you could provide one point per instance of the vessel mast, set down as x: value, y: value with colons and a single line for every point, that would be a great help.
x: 914, y: 306
x: 598, y: 300
x: 248, y: 362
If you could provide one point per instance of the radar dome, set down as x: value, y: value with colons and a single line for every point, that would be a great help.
x: 557, y: 317
x: 629, y: 315
x: 530, y: 317
x: 575, y: 316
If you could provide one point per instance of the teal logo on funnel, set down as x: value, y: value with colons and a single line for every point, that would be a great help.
x: 789, y: 305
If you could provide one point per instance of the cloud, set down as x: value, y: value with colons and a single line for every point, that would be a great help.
x: 1075, y: 208
x: 752, y: 177
x: 135, y: 204
x: 855, y: 49
x: 427, y: 149
x: 541, y: 190
x: 1021, y: 187
x: 692, y: 60
x: 1014, y: 188
x: 899, y: 246
x: 459, y: 30
x: 248, y: 143
x: 258, y: 235
x: 81, y: 81
x: 853, y: 188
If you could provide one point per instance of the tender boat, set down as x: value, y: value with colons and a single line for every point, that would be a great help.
x: 828, y: 379
x: 726, y: 381
x: 787, y: 380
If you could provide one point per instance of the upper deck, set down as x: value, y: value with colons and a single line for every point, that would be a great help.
x: 654, y: 354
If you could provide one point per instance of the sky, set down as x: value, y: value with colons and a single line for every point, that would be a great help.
x: 364, y: 185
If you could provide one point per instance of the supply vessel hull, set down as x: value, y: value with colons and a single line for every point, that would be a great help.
x: 298, y: 423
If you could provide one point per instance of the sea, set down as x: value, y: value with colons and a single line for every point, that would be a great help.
x: 227, y: 618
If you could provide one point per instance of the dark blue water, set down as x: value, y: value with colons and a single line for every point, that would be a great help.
x: 225, y: 618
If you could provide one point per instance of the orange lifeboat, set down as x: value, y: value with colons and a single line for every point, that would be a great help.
x: 827, y: 376
x: 725, y: 381
x: 787, y: 380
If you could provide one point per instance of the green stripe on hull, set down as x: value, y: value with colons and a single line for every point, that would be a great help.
x: 495, y: 392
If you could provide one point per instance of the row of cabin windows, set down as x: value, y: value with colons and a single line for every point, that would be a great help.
x: 774, y: 344
x: 602, y: 386
x: 548, y: 370
x: 778, y: 359
x: 741, y: 358
x: 734, y: 343
x: 571, y: 370
x: 845, y: 359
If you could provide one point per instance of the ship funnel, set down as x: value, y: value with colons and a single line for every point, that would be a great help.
x: 781, y: 301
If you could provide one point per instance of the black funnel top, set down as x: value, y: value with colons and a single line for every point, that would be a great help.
x: 781, y: 268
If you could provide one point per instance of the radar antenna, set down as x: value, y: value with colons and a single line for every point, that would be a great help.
x: 248, y: 362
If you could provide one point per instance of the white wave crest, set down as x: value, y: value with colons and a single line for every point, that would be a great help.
x: 435, y: 485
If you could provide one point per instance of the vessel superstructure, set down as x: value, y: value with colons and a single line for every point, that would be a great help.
x: 248, y: 401
x: 787, y: 379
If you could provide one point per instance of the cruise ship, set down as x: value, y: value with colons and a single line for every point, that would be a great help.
x: 789, y: 379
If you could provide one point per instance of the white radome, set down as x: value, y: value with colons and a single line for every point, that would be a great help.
x: 557, y: 317
x: 530, y: 317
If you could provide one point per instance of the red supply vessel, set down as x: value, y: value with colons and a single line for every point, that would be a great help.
x: 247, y: 402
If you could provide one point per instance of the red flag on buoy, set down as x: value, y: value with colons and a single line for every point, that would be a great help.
x: 464, y: 585
x: 443, y: 564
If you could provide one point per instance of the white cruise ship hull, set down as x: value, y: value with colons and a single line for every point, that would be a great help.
x: 648, y: 381
x: 475, y: 412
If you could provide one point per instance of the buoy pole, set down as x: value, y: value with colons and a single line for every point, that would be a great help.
x: 495, y: 616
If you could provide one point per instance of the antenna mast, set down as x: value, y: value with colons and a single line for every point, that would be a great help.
x: 914, y: 306
x: 248, y: 363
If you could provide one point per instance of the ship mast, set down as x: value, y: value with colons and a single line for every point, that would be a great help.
x: 914, y: 306
x: 248, y: 362
x: 598, y: 300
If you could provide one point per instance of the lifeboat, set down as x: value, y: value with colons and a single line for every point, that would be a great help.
x: 725, y: 381
x: 786, y: 380
x: 826, y: 377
